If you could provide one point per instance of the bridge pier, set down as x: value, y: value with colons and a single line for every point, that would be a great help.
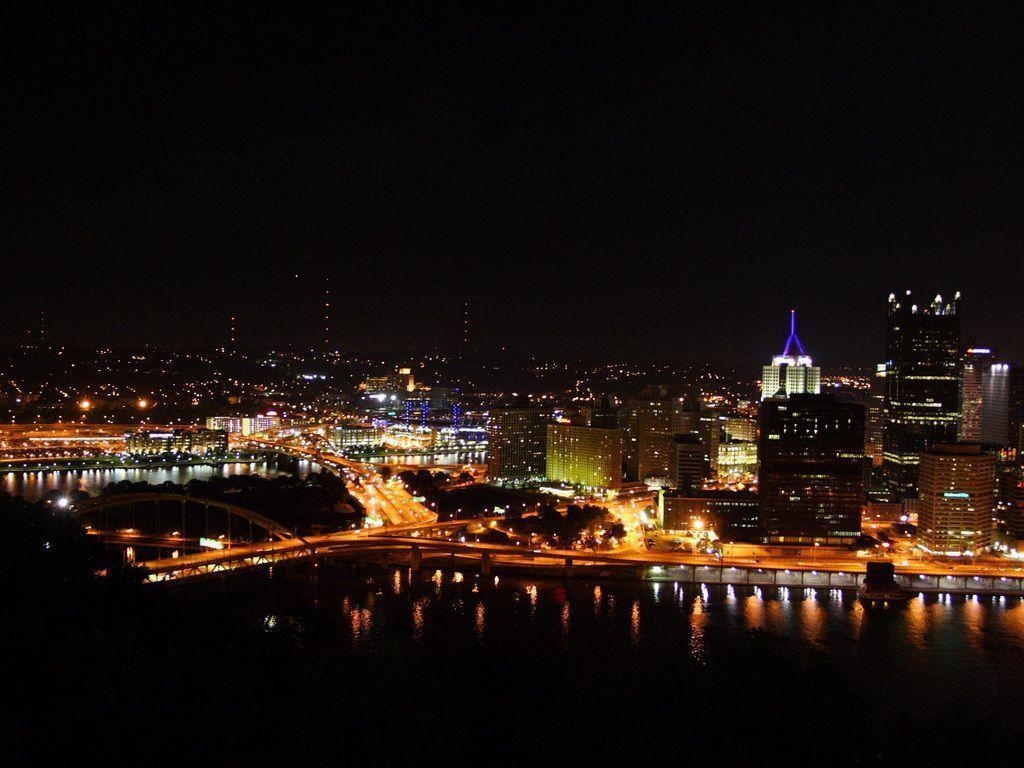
x: 485, y: 564
x: 568, y: 568
x: 415, y: 559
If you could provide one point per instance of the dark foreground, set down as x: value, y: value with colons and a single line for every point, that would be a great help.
x: 454, y: 669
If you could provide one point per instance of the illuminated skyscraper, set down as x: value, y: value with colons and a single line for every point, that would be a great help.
x: 957, y: 498
x: 977, y: 361
x: 922, y: 384
x: 995, y: 405
x: 792, y: 372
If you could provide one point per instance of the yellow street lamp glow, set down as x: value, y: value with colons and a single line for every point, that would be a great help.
x: 85, y: 405
x: 143, y: 404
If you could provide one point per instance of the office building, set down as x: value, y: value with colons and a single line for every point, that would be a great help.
x: 691, y: 463
x: 516, y: 439
x: 977, y: 361
x: 956, y: 498
x: 792, y: 372
x: 811, y: 472
x: 737, y: 457
x: 739, y: 429
x: 733, y: 515
x: 653, y: 424
x: 586, y: 456
x: 922, y: 384
x: 355, y: 436
x: 244, y: 425
x: 184, y: 442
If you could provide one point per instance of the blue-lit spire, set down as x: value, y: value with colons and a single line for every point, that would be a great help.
x: 793, y: 338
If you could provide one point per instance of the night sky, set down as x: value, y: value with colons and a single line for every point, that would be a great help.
x: 613, y: 182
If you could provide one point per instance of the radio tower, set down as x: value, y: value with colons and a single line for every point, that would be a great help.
x: 465, y: 327
x: 232, y: 335
x: 327, y: 314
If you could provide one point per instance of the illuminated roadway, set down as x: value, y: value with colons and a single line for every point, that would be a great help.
x: 402, y: 514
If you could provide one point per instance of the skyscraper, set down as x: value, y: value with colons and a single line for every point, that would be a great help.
x: 811, y: 476
x: 516, y: 443
x: 977, y: 361
x: 922, y: 384
x: 654, y: 437
x: 956, y: 498
x: 792, y: 372
x: 995, y: 405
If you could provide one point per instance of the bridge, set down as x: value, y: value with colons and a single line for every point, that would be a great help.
x: 174, y: 521
x: 410, y: 544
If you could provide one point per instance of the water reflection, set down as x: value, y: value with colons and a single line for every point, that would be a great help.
x: 634, y: 625
x: 33, y: 485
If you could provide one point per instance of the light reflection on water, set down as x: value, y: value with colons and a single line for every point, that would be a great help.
x: 926, y: 651
x: 33, y: 485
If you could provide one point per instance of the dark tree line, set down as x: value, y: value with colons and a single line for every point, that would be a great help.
x: 319, y: 502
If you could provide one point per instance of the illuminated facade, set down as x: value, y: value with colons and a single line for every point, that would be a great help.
x: 516, y: 440
x: 191, y: 442
x: 244, y: 425
x: 586, y: 456
x: 956, y: 498
x: 792, y: 372
x: 996, y: 386
x: 922, y: 385
x: 977, y: 362
x: 353, y: 436
x: 737, y: 456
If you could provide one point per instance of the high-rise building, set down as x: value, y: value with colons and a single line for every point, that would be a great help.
x: 811, y: 474
x: 1015, y: 411
x: 516, y: 443
x: 922, y: 384
x: 654, y: 437
x: 691, y: 463
x: 956, y: 498
x: 792, y: 372
x: 977, y: 361
x: 586, y: 456
x: 995, y: 405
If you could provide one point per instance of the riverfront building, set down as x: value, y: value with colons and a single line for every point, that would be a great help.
x: 812, y: 465
x: 956, y: 498
x: 185, y: 442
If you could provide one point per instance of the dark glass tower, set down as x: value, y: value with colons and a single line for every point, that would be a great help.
x: 922, y: 387
x: 812, y: 469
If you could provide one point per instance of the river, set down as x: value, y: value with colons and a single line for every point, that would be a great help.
x: 375, y: 666
x: 32, y: 485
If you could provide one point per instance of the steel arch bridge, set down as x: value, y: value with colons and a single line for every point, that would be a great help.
x: 117, y: 516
